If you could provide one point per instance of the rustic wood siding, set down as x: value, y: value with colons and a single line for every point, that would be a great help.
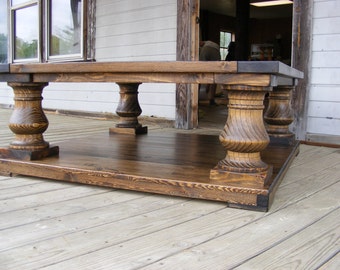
x: 324, y: 96
x: 129, y: 30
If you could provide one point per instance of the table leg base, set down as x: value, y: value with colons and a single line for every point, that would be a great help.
x: 132, y: 131
x: 251, y: 180
x: 28, y: 154
x: 288, y: 139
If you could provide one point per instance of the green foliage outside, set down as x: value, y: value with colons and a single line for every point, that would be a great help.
x: 26, y: 50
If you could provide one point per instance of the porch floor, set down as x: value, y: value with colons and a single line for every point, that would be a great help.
x: 54, y: 225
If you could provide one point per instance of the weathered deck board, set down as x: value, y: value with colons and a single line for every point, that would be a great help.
x: 88, y: 227
x: 208, y: 245
x: 332, y: 264
x: 315, y: 244
x: 232, y: 249
x: 25, y: 190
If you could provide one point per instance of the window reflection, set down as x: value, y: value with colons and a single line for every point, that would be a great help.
x: 3, y: 32
x: 26, y: 33
x: 65, y: 27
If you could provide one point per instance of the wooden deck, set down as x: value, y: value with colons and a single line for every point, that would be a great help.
x: 55, y: 225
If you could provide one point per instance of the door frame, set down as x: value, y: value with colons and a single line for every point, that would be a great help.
x: 188, y: 50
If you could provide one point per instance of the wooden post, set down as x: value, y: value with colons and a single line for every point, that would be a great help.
x: 128, y: 110
x: 279, y: 114
x: 301, y: 59
x: 187, y: 50
x: 28, y: 122
x: 244, y: 137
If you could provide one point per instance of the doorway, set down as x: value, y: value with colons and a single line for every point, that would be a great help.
x: 265, y: 33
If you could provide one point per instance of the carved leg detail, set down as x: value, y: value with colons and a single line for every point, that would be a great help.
x: 244, y: 137
x: 279, y: 114
x: 128, y: 110
x: 28, y: 122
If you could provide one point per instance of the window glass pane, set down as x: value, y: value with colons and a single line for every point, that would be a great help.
x: 3, y: 32
x: 225, y: 39
x: 65, y: 27
x: 26, y: 29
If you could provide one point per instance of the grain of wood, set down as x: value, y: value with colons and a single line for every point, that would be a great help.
x: 318, y: 242
x: 229, y: 250
x: 302, y: 200
x: 66, y: 223
x: 49, y: 197
x: 293, y: 188
x: 211, y: 244
x: 29, y: 189
x: 150, y: 217
x: 66, y: 207
x: 312, y: 166
x: 332, y: 264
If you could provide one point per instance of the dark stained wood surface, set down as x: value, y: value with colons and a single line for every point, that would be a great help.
x: 240, y: 175
x: 259, y: 73
x: 173, y: 164
x: 264, y: 67
x: 44, y: 223
x: 127, y: 67
x: 272, y: 67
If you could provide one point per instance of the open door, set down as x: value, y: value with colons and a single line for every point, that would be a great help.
x: 208, y: 18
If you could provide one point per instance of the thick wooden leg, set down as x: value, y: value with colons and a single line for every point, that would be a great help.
x: 28, y: 122
x: 244, y: 137
x: 128, y: 110
x: 279, y: 115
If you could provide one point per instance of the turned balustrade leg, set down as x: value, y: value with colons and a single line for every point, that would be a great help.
x: 244, y: 137
x: 279, y: 115
x: 128, y: 110
x: 28, y: 122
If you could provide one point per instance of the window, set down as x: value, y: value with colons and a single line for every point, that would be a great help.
x: 49, y: 30
x: 25, y: 30
x: 65, y: 25
x: 225, y: 39
x: 3, y: 32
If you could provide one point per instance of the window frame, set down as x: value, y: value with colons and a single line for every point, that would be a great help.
x: 6, y: 34
x: 83, y: 37
x: 87, y: 33
x: 12, y: 34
